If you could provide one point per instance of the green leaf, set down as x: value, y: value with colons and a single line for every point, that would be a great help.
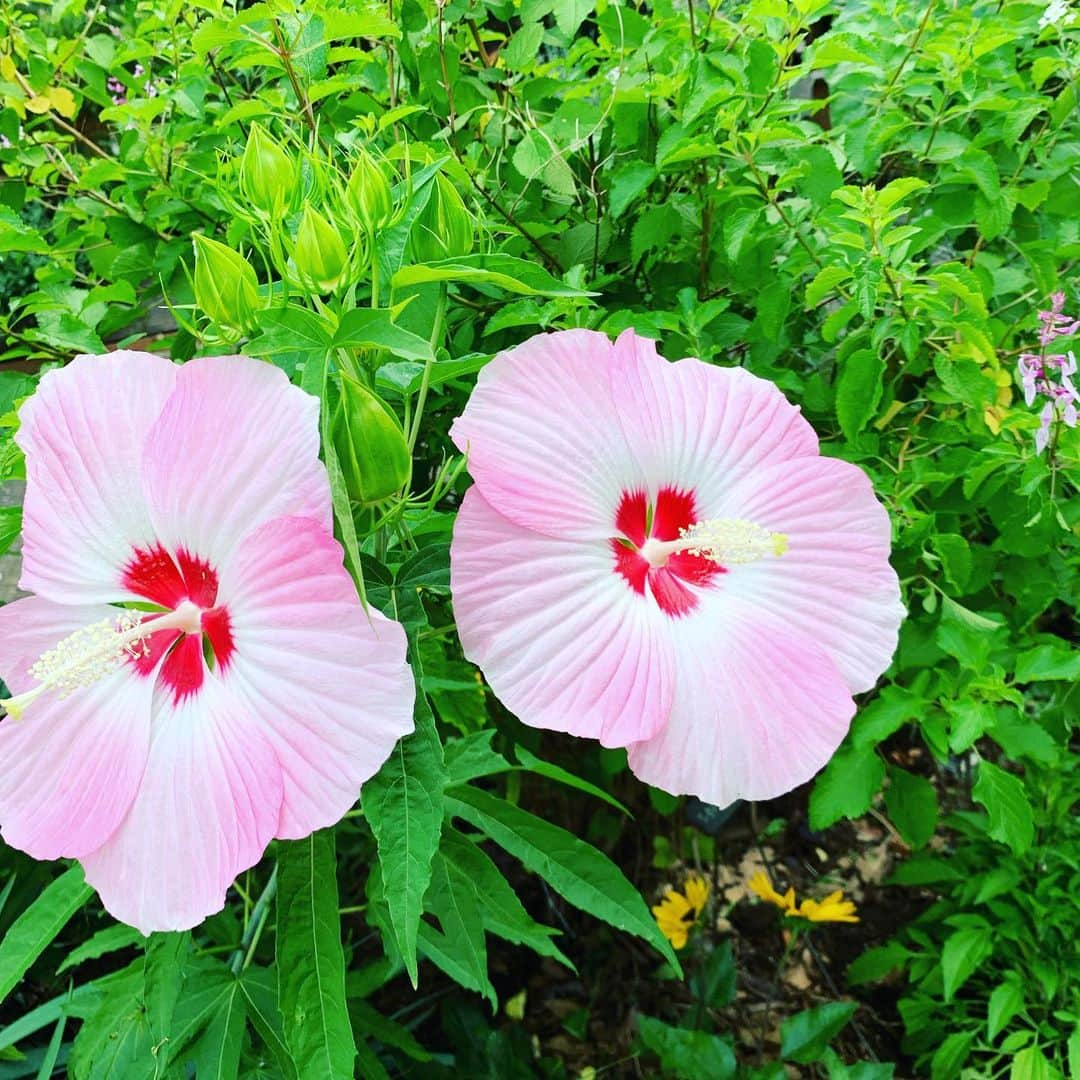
x: 373, y: 328
x: 825, y: 283
x: 963, y: 952
x: 217, y: 1053
x: 846, y: 787
x: 858, y: 391
x: 310, y: 961
x: 898, y: 190
x: 876, y: 963
x: 1005, y: 1002
x: 1048, y: 662
x: 521, y: 50
x: 163, y: 975
x: 585, y: 877
x: 804, y: 1036
x: 686, y: 1053
x: 627, y: 183
x: 36, y: 928
x: 288, y: 330
x: 1006, y: 801
x: 1031, y: 1064
x: 950, y: 1056
x: 738, y: 227
x: 502, y: 911
x: 1074, y: 1053
x: 259, y: 988
x: 955, y: 554
x: 453, y: 899
x: 112, y: 938
x: 403, y: 804
x: 570, y: 14
x: 912, y: 805
x: 502, y: 271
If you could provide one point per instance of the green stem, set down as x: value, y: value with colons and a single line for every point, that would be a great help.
x: 252, y: 932
x: 425, y: 381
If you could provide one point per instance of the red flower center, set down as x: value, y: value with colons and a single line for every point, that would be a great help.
x: 638, y: 521
x: 168, y: 581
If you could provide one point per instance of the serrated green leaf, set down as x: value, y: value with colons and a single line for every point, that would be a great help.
x: 374, y: 328
x: 1048, y: 662
x: 1006, y: 801
x: 585, y: 877
x: 846, y: 787
x: 804, y: 1036
x: 36, y: 928
x: 310, y: 960
x: 858, y: 391
x: 912, y: 804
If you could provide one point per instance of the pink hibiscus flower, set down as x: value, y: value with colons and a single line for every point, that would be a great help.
x: 655, y: 555
x: 250, y: 696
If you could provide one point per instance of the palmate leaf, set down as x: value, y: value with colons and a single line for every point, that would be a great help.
x: 585, y: 877
x: 311, y: 962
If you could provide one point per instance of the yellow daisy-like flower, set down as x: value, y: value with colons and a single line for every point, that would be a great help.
x: 763, y: 887
x: 834, y: 908
x: 697, y: 893
x: 677, y: 913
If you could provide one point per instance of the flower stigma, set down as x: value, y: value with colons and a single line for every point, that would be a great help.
x: 725, y: 541
x: 94, y: 651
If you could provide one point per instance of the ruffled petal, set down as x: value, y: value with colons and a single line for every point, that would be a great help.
x: 543, y: 436
x: 206, y: 809
x: 72, y: 765
x: 236, y: 445
x: 329, y: 683
x: 834, y: 583
x: 698, y: 427
x: 562, y: 637
x: 758, y: 709
x: 82, y: 433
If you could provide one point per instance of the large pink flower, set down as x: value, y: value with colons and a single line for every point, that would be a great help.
x: 248, y: 699
x: 655, y: 555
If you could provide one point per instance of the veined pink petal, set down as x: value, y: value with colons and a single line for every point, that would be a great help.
x: 705, y: 428
x: 72, y: 765
x: 206, y: 809
x: 328, y: 682
x: 82, y: 434
x: 236, y: 445
x: 542, y: 434
x: 758, y: 709
x: 564, y: 641
x: 834, y: 583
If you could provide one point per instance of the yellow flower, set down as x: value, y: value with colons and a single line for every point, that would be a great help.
x: 697, y: 893
x: 762, y: 886
x: 834, y: 908
x: 674, y: 916
x: 677, y: 913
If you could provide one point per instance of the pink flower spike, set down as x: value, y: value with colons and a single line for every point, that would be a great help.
x: 656, y: 556
x: 166, y: 750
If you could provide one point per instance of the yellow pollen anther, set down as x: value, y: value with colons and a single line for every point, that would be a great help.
x: 730, y: 541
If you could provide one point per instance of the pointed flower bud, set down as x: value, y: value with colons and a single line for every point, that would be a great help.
x: 267, y: 172
x: 371, y: 448
x: 444, y: 230
x: 320, y: 253
x: 226, y: 287
x: 369, y: 193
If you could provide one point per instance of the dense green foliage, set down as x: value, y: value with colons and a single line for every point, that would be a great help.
x: 865, y: 201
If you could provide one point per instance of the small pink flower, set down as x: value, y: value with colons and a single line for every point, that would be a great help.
x: 164, y: 750
x: 655, y: 555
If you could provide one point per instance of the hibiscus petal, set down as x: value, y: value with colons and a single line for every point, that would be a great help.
x: 758, y: 709
x: 543, y: 436
x: 82, y: 434
x: 562, y: 638
x: 236, y: 445
x: 834, y: 583
x: 206, y: 809
x: 701, y: 427
x: 329, y: 683
x: 72, y: 765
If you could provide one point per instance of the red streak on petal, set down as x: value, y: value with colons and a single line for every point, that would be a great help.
x: 218, y: 628
x: 671, y: 595
x: 153, y: 573
x: 675, y: 510
x: 630, y: 516
x: 152, y: 649
x: 631, y: 565
x: 182, y: 671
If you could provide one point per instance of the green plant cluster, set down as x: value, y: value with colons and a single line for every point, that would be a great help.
x: 864, y: 201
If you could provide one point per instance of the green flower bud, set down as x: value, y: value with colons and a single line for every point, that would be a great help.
x: 369, y: 194
x: 226, y: 287
x: 444, y: 230
x: 320, y: 253
x: 371, y: 448
x: 267, y: 173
